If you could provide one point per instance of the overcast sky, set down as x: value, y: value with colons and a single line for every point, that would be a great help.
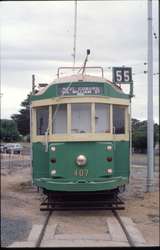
x: 37, y: 38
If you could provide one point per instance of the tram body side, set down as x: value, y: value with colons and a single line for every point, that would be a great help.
x: 56, y: 169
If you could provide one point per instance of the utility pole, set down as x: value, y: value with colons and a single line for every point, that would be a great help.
x: 150, y: 124
x: 30, y: 116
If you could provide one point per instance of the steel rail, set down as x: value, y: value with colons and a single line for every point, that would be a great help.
x: 38, y: 243
x: 41, y: 235
x: 130, y: 241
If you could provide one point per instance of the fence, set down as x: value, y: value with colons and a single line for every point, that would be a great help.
x: 11, y: 162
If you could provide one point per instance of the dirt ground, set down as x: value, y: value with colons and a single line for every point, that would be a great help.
x: 145, y: 213
x: 20, y: 199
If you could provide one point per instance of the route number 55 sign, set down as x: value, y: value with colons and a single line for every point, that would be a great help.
x: 122, y: 74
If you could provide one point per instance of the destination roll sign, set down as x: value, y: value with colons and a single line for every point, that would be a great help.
x: 80, y: 90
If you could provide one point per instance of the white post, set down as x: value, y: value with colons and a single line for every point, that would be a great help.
x: 130, y: 134
x: 150, y: 126
x: 30, y: 125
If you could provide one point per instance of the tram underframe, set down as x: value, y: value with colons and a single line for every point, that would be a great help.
x: 98, y: 200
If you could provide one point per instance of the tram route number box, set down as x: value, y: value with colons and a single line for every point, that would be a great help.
x: 122, y: 75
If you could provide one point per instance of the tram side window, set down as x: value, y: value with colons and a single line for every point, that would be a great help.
x: 118, y: 119
x: 59, y: 119
x: 81, y: 118
x: 102, y: 118
x: 42, y: 120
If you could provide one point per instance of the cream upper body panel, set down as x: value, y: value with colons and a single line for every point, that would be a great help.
x: 80, y: 137
x: 80, y: 99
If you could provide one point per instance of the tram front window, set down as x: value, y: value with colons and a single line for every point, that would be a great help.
x: 81, y: 118
x: 42, y: 120
x: 59, y: 119
x: 102, y: 118
x: 118, y: 119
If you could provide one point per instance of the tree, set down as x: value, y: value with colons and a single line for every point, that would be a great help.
x: 156, y: 129
x: 23, y: 119
x: 8, y: 131
x: 139, y: 135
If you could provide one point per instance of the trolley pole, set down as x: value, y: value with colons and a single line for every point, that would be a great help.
x: 75, y: 33
x: 33, y: 84
x: 150, y: 128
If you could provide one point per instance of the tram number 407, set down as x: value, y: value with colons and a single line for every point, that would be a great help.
x: 81, y: 172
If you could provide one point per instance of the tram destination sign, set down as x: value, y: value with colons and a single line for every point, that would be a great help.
x: 122, y: 74
x: 80, y: 90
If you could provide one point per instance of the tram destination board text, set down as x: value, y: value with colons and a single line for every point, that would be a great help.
x: 87, y: 90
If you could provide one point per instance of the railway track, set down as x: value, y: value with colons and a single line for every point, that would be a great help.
x: 40, y: 238
x: 129, y: 241
x: 129, y: 238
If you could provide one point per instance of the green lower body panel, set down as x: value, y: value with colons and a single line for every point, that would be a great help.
x: 73, y: 186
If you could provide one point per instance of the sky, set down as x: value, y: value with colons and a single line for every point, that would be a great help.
x: 37, y: 37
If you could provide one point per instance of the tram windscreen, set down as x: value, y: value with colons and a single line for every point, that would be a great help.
x: 102, y: 118
x: 42, y: 120
x: 59, y: 119
x: 118, y: 119
x: 81, y: 118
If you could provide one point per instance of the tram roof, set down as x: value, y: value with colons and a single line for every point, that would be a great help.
x: 79, y: 78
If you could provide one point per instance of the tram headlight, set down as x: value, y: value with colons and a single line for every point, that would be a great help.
x: 53, y: 172
x: 109, y: 147
x: 81, y: 160
x: 53, y: 148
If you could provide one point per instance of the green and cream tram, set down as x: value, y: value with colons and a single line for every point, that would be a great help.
x: 80, y: 135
